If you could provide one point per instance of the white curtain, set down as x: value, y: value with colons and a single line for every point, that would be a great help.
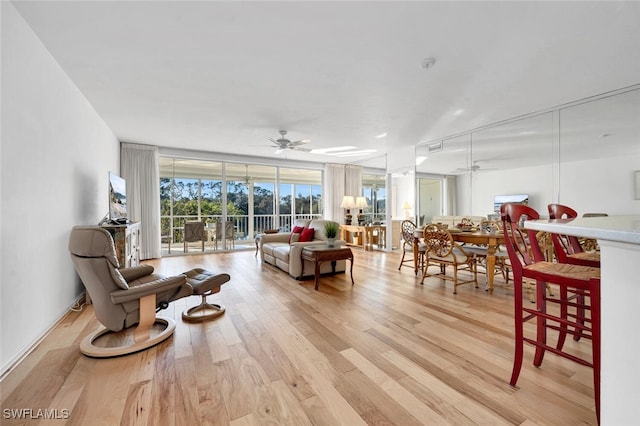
x: 353, y: 181
x: 333, y: 192
x: 139, y: 166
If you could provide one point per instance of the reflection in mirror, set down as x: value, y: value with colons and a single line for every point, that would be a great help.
x: 584, y: 155
x: 450, y: 157
x: 374, y: 189
x: 600, y: 149
x: 429, y: 199
x: 403, y: 193
x: 513, y: 158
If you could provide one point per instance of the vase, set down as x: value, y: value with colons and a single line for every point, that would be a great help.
x: 331, y: 242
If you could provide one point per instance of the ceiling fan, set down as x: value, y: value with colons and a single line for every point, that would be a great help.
x: 473, y: 168
x: 283, y: 143
x: 247, y: 178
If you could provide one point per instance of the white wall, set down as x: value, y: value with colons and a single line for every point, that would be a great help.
x: 537, y: 182
x: 56, y: 152
x: 603, y: 185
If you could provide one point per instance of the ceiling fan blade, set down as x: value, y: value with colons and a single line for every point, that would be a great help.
x: 295, y: 148
x: 273, y: 140
x: 300, y: 142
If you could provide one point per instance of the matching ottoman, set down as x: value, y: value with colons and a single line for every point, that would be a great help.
x: 204, y: 283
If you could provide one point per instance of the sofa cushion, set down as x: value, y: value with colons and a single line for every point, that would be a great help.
x: 304, y: 223
x: 294, y: 238
x: 270, y: 247
x: 318, y: 225
x: 295, y: 234
x: 307, y: 235
x: 282, y: 253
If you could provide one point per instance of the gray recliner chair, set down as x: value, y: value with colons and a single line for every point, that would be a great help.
x: 124, y: 297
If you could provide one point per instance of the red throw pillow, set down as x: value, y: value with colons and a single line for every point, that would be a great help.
x: 307, y: 235
x: 296, y: 230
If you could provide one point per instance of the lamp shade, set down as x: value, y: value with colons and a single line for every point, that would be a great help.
x: 361, y: 202
x: 406, y: 206
x: 347, y: 202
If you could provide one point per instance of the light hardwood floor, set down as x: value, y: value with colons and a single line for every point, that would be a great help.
x: 386, y: 351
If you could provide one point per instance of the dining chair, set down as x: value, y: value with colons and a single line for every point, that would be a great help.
x: 480, y: 252
x: 527, y: 261
x: 442, y: 251
x: 407, y: 236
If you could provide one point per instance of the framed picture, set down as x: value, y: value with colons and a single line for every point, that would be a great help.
x: 637, y: 184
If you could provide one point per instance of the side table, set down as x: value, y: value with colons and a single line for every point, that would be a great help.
x: 324, y: 253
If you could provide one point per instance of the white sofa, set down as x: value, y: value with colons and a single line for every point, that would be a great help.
x: 276, y: 250
x: 453, y: 221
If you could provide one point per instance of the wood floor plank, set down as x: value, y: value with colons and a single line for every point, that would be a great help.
x: 388, y: 350
x: 397, y: 392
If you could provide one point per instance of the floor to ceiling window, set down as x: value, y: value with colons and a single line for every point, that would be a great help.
x: 246, y: 198
x: 375, y: 192
x: 300, y: 195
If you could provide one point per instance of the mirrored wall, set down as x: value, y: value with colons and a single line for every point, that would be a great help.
x: 583, y: 154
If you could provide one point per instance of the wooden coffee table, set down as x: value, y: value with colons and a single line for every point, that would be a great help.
x: 324, y: 253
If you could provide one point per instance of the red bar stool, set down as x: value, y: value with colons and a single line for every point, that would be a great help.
x: 527, y: 261
x: 567, y: 247
x: 569, y: 250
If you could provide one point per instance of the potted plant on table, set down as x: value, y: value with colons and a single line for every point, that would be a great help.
x: 331, y: 231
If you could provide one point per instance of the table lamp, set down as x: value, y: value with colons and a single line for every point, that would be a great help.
x: 361, y: 202
x: 406, y: 207
x: 348, y: 203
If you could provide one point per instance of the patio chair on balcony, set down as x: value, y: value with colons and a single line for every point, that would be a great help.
x: 228, y: 234
x: 193, y: 232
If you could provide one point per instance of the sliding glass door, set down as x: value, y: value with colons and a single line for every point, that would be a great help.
x: 248, y: 198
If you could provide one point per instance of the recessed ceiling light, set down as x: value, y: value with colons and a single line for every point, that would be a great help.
x: 332, y: 151
x: 354, y: 153
x: 427, y: 63
x: 381, y: 135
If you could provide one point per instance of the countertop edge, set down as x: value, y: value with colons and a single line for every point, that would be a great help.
x: 624, y: 229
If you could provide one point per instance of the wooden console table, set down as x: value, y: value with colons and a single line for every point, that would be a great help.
x: 364, y: 236
x: 323, y: 253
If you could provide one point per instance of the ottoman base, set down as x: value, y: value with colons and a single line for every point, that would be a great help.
x: 204, y: 283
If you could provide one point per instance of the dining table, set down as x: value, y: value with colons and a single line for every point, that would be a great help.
x: 491, y: 240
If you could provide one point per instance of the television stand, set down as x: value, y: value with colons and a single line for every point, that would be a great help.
x: 126, y: 238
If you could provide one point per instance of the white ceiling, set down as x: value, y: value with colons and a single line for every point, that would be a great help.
x: 224, y: 76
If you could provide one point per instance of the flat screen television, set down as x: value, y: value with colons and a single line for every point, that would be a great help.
x: 499, y: 200
x: 117, y: 199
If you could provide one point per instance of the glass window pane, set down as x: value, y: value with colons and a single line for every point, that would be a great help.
x: 373, y: 189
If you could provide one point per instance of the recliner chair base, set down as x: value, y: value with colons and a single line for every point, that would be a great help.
x: 127, y: 341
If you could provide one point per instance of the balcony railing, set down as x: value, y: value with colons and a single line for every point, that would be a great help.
x: 172, y: 226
